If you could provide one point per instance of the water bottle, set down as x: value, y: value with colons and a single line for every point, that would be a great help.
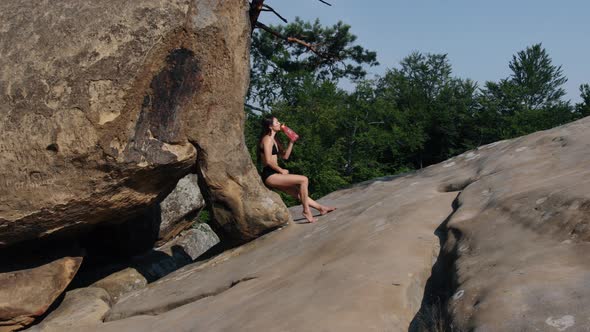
x: 290, y: 133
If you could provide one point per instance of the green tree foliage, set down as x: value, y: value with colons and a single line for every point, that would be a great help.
x: 415, y: 115
x: 364, y: 143
x: 531, y: 99
x: 537, y: 81
x: 279, y: 68
x: 432, y: 110
x: 583, y: 108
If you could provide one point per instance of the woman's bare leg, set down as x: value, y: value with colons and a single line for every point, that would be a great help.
x: 293, y: 191
x: 289, y: 180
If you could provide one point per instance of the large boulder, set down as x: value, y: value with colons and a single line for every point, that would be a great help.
x: 27, y: 293
x: 105, y: 105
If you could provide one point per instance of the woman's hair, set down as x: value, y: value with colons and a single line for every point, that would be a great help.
x: 265, y: 130
x: 265, y: 127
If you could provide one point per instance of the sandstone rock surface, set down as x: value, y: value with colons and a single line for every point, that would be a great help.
x: 361, y: 267
x: 521, y: 232
x: 121, y: 282
x: 80, y: 308
x: 515, y: 214
x: 86, y: 306
x: 193, y: 242
x: 28, y: 293
x: 184, y: 199
x: 182, y: 250
x: 104, y: 105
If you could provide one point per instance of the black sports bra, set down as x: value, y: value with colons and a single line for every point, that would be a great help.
x: 274, y: 149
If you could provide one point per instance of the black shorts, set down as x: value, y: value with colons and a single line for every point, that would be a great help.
x: 266, y: 172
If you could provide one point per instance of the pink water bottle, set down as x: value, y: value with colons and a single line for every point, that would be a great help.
x: 290, y: 133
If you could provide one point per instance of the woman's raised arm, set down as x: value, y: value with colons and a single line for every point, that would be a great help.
x: 287, y: 152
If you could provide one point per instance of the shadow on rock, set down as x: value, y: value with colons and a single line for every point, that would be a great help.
x: 433, y: 315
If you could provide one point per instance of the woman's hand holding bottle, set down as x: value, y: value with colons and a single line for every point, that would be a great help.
x: 290, y: 133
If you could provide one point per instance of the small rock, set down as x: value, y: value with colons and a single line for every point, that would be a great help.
x: 81, y: 307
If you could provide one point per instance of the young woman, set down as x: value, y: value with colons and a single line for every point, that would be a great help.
x: 279, y: 178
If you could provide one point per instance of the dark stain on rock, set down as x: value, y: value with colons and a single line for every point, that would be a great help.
x: 171, y: 92
x: 173, y: 88
x: 53, y: 147
x: 562, y: 141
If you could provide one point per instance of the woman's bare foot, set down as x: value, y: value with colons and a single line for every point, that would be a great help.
x: 326, y: 209
x: 309, y: 216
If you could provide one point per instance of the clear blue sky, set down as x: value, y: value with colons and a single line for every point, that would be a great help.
x: 479, y: 37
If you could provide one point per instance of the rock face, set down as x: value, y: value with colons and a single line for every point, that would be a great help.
x: 512, y: 220
x: 80, y: 308
x: 193, y: 242
x: 360, y: 268
x: 86, y: 306
x: 105, y: 105
x: 120, y: 282
x: 184, y: 199
x: 521, y: 233
x: 26, y: 294
x: 182, y: 250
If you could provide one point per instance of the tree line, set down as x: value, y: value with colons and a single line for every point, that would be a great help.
x: 414, y: 115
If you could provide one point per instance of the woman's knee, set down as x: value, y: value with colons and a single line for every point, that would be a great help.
x: 304, y: 180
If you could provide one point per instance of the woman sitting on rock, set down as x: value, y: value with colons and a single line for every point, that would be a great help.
x: 279, y: 178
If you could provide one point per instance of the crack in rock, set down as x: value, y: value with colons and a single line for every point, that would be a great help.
x: 173, y: 305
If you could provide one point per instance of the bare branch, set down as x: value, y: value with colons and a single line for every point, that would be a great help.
x: 257, y: 6
x: 296, y: 41
x: 270, y: 9
x: 271, y: 31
